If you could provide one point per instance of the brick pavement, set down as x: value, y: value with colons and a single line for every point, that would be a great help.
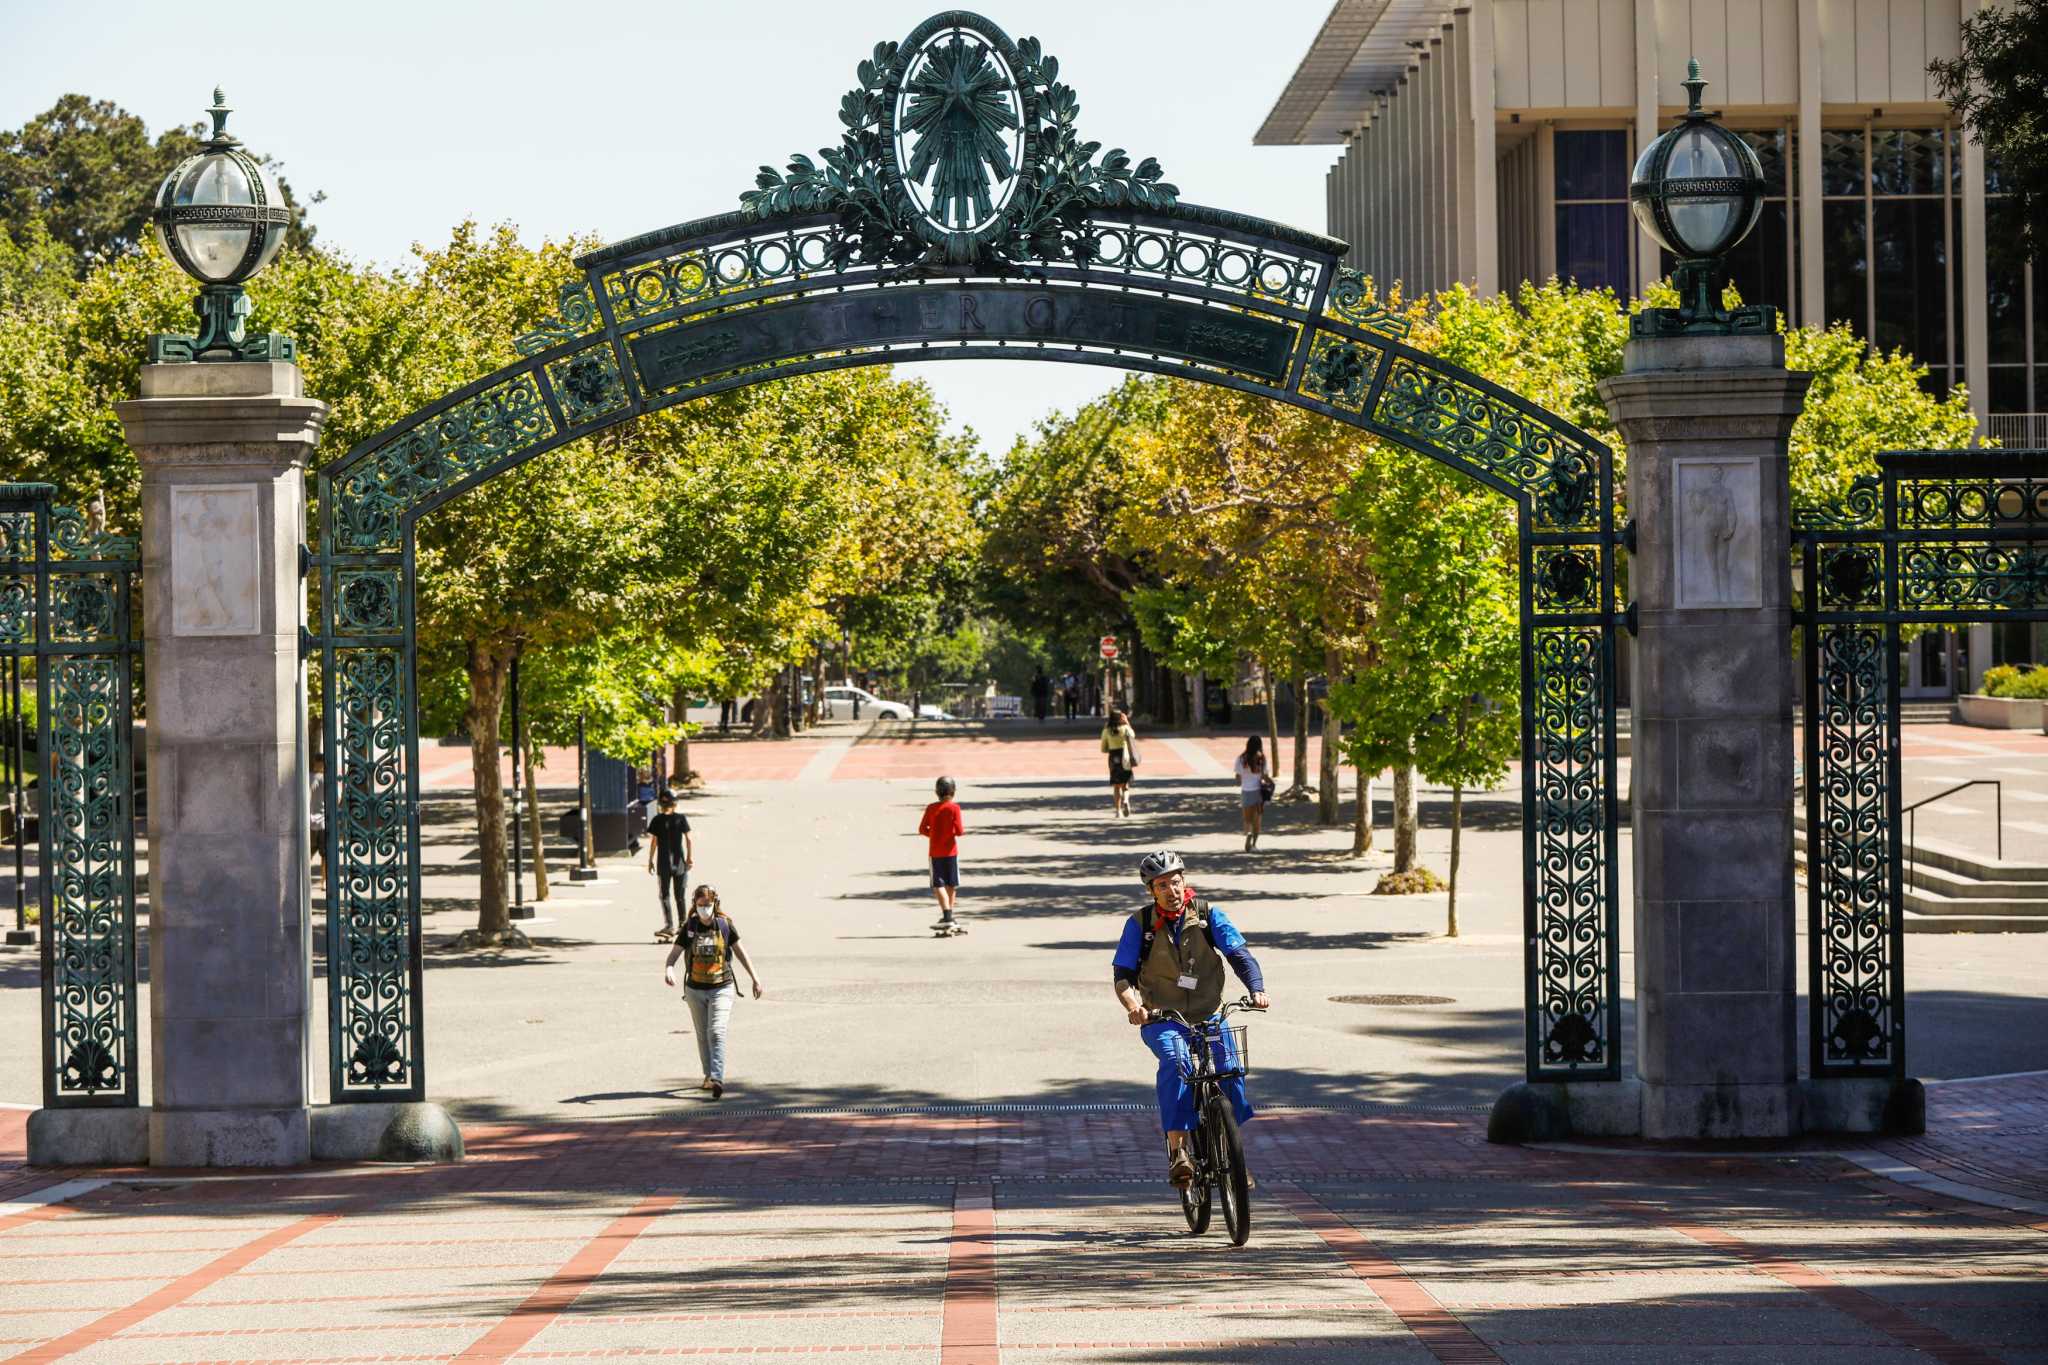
x: 1035, y: 1234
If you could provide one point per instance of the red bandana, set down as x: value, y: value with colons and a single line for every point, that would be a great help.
x: 1164, y: 916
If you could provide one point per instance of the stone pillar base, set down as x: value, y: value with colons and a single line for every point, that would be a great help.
x: 1710, y: 1112
x: 1546, y: 1112
x: 230, y: 1137
x: 88, y: 1137
x: 408, y: 1132
x: 1859, y: 1106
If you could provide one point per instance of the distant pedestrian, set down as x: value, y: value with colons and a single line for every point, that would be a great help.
x: 726, y: 710
x: 1041, y: 695
x: 316, y: 813
x: 640, y: 809
x: 670, y: 852
x: 1070, y: 693
x: 942, y: 826
x: 1254, y: 789
x: 711, y: 941
x: 1120, y: 742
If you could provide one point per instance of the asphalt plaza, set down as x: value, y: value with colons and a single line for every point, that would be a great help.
x: 944, y: 1150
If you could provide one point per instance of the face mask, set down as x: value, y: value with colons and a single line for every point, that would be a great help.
x: 704, y: 912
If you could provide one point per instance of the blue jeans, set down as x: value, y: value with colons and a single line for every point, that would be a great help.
x: 710, y: 1012
x: 1170, y: 1043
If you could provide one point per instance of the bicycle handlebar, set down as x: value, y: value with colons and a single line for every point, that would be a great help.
x: 1176, y: 1017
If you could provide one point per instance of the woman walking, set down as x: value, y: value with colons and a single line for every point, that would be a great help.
x: 1254, y: 789
x: 1120, y: 742
x: 711, y: 941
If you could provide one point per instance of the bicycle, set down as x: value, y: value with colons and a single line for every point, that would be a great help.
x: 1214, y: 1144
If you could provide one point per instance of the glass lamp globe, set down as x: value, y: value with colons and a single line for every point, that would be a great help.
x: 220, y: 214
x: 1697, y: 189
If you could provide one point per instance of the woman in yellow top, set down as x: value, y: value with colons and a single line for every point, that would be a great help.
x: 1121, y: 744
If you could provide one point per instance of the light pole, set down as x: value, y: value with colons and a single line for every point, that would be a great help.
x: 1697, y: 190
x: 221, y: 216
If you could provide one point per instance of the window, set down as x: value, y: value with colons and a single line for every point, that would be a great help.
x: 2013, y: 302
x: 1761, y: 265
x: 1594, y: 230
x: 1889, y: 219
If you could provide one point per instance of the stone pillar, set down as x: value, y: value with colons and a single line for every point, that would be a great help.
x: 1707, y: 421
x: 223, y: 450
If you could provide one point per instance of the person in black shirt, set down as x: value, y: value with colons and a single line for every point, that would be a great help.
x: 669, y: 855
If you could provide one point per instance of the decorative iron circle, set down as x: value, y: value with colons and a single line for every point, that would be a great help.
x: 1848, y: 576
x: 959, y: 131
x: 1392, y: 1000
x: 1568, y: 578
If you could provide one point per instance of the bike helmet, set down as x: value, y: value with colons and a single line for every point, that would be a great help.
x: 1164, y: 863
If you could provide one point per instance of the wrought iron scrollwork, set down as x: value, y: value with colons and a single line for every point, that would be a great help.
x: 66, y: 612
x: 1351, y: 299
x: 1939, y: 538
x: 1572, y: 952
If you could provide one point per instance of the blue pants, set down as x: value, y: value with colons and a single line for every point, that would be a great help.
x: 1170, y: 1043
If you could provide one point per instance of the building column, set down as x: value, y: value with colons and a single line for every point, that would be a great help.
x: 1707, y: 421
x: 1546, y: 201
x: 1976, y: 336
x: 1649, y: 263
x: 223, y: 449
x: 1806, y: 160
x: 1485, y: 157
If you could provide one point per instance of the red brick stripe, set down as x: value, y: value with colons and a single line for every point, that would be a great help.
x: 36, y: 1215
x: 547, y: 1303
x: 1435, y: 1326
x: 176, y: 1292
x: 1900, y: 1326
x: 968, y: 1333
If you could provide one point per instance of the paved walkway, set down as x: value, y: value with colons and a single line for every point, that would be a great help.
x: 1038, y: 1236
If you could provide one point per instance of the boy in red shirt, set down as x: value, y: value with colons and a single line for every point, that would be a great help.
x: 943, y: 827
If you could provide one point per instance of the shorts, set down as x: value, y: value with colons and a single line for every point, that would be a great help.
x: 1252, y: 799
x: 946, y: 871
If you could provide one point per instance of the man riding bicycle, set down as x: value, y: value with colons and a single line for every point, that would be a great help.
x: 1171, y: 958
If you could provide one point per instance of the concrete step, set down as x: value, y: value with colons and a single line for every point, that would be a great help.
x: 1975, y: 924
x: 1932, y: 903
x: 1961, y: 862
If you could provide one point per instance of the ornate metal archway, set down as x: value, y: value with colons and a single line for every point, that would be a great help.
x: 961, y: 216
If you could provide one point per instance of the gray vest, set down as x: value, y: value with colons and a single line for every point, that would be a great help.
x: 1165, y: 963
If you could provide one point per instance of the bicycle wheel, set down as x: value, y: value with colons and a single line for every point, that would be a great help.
x: 1233, y: 1181
x: 1194, y: 1204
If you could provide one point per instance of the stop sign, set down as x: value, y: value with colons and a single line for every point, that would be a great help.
x: 1108, y: 649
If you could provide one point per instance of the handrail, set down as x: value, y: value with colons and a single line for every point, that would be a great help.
x: 1998, y: 809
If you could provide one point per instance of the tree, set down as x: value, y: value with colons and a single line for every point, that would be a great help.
x: 86, y: 172
x: 1998, y: 86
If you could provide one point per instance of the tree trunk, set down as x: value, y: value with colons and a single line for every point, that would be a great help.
x: 764, y: 712
x: 1404, y: 817
x: 489, y: 668
x: 1361, y: 826
x: 1300, y: 686
x: 1458, y: 811
x: 533, y: 825
x: 1272, y: 723
x: 779, y: 701
x: 1330, y: 798
x: 679, y: 757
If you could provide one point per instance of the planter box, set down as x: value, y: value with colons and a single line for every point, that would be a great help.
x: 1999, y: 713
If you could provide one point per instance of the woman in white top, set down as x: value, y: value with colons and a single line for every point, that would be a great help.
x: 1251, y: 789
x: 1120, y: 742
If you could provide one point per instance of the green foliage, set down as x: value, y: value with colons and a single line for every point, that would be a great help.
x: 1998, y: 86
x: 2008, y: 680
x: 85, y: 172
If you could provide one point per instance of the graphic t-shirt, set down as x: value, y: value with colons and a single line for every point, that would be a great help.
x: 667, y: 831
x: 707, y: 948
x: 942, y: 825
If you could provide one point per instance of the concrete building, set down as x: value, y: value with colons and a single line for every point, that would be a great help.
x: 1491, y: 142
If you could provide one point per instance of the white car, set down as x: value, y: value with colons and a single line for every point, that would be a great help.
x: 846, y: 693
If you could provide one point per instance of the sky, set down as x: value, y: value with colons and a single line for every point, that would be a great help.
x: 616, y: 117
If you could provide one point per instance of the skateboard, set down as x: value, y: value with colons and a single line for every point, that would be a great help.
x: 945, y: 929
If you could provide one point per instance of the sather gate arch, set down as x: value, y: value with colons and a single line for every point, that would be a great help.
x: 962, y: 217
